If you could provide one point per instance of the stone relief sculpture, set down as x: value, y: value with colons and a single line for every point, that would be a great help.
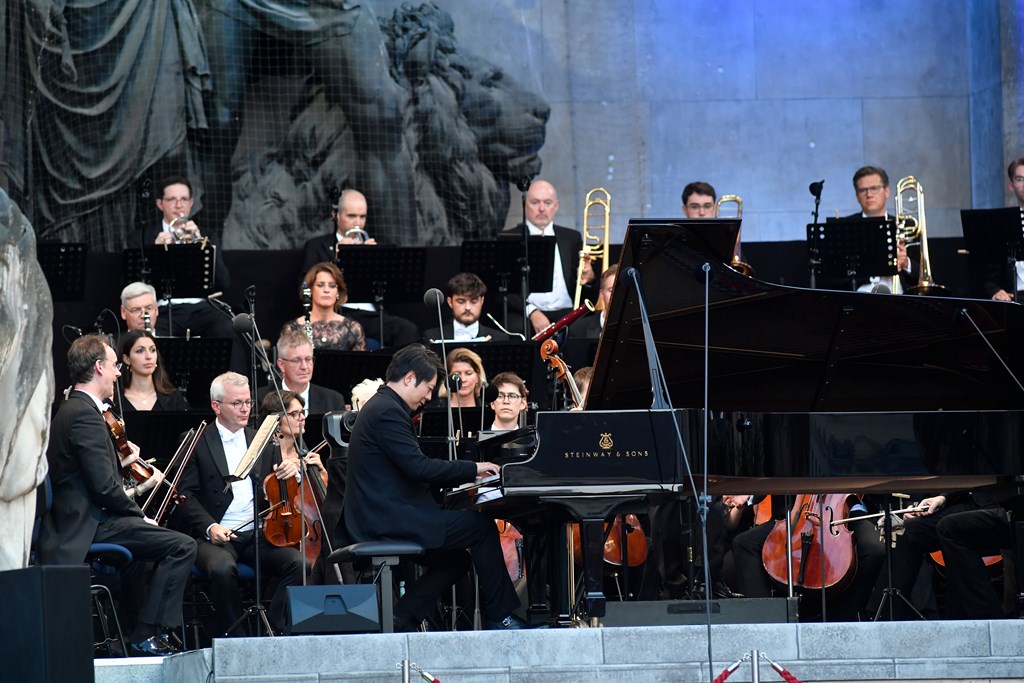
x: 26, y: 380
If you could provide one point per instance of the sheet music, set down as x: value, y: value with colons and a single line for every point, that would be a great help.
x: 259, y: 441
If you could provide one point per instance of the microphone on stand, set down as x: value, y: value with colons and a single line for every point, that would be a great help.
x: 434, y: 297
x: 816, y: 188
x: 243, y: 323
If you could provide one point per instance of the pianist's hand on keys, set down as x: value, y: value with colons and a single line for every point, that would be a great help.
x: 486, y: 469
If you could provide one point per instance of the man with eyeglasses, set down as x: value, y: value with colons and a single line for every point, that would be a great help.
x: 699, y: 200
x: 998, y: 284
x: 295, y: 361
x: 138, y: 301
x: 90, y: 504
x: 510, y: 402
x: 871, y: 184
x: 218, y: 512
x: 195, y: 316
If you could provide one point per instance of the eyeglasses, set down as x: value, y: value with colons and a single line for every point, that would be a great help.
x: 139, y: 310
x: 698, y: 207
x: 117, y: 366
x: 295, y: 414
x: 872, y: 189
x: 308, y: 360
x: 237, y: 405
x: 177, y: 200
x: 509, y: 398
x: 1018, y: 179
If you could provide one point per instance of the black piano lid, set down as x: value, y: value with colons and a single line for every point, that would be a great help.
x: 778, y: 348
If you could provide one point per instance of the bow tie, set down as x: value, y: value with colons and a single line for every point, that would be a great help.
x: 104, y: 407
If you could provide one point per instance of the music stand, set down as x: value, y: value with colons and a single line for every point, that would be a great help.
x: 176, y: 270
x: 433, y: 431
x: 890, y: 593
x: 375, y: 273
x: 994, y: 240
x: 498, y: 261
x: 852, y: 249
x: 193, y: 362
x: 342, y: 370
x: 64, y: 266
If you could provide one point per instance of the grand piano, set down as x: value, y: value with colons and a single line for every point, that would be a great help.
x: 806, y: 391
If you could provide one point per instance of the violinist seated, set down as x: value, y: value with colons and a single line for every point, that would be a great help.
x: 466, y: 302
x: 90, y: 504
x: 920, y: 537
x: 756, y: 546
x: 295, y: 361
x: 327, y: 328
x: 144, y: 381
x: 219, y: 512
x: 545, y: 308
x: 190, y: 316
x: 289, y: 433
x: 967, y: 538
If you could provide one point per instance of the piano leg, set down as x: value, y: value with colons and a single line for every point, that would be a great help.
x: 592, y: 540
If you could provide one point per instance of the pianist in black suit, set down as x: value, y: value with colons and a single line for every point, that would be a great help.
x: 388, y: 496
x: 466, y: 301
x: 871, y: 184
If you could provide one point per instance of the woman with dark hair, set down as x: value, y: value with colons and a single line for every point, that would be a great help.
x: 291, y: 426
x: 327, y: 328
x: 143, y: 379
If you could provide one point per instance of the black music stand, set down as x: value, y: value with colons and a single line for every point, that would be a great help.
x: 379, y: 274
x: 995, y: 242
x: 193, y: 362
x: 64, y: 266
x: 342, y: 370
x: 176, y: 270
x: 158, y: 432
x: 852, y: 249
x: 433, y: 431
x: 498, y: 261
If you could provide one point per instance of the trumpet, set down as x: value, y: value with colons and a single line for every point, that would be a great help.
x: 356, y: 234
x: 737, y: 263
x: 596, y: 216
x: 180, y: 234
x: 910, y: 227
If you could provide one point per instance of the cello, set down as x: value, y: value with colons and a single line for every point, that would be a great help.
x: 824, y: 555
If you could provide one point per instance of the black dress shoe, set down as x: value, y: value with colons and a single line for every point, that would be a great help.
x: 154, y: 646
x: 509, y: 623
x: 720, y: 590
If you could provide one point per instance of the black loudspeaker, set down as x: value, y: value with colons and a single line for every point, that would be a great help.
x: 672, y: 612
x: 46, y: 632
x: 333, y: 609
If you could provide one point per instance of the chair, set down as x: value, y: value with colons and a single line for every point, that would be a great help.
x: 196, y: 597
x: 110, y: 559
x: 383, y: 555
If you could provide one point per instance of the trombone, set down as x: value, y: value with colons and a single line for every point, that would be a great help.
x: 737, y: 263
x: 597, y: 217
x: 910, y: 227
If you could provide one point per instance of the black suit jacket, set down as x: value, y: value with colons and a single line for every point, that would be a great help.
x: 321, y: 399
x: 86, y: 479
x: 146, y: 237
x: 317, y: 250
x: 204, y: 482
x: 570, y: 242
x: 388, y: 489
x: 449, y: 332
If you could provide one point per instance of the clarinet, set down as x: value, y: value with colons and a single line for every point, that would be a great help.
x: 307, y: 303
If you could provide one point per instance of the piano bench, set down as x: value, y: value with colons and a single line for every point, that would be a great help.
x: 384, y: 555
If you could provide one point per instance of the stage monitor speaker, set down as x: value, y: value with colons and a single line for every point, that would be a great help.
x: 333, y: 609
x: 46, y: 632
x: 673, y: 612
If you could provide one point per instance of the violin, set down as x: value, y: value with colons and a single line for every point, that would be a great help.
x: 823, y: 554
x: 139, y: 470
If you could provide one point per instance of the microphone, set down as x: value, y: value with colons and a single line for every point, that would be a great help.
x: 433, y: 297
x: 454, y: 383
x: 97, y: 324
x: 816, y: 187
x: 880, y: 288
x: 71, y: 328
x: 242, y: 323
x: 523, y: 184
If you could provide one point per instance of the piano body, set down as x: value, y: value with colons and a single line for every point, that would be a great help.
x: 807, y: 391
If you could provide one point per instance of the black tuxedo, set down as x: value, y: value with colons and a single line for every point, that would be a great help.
x: 321, y: 399
x: 449, y: 333
x: 90, y: 506
x: 207, y: 497
x: 388, y: 496
x: 319, y: 249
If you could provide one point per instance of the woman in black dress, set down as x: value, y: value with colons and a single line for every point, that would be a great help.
x: 329, y: 329
x: 143, y: 380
